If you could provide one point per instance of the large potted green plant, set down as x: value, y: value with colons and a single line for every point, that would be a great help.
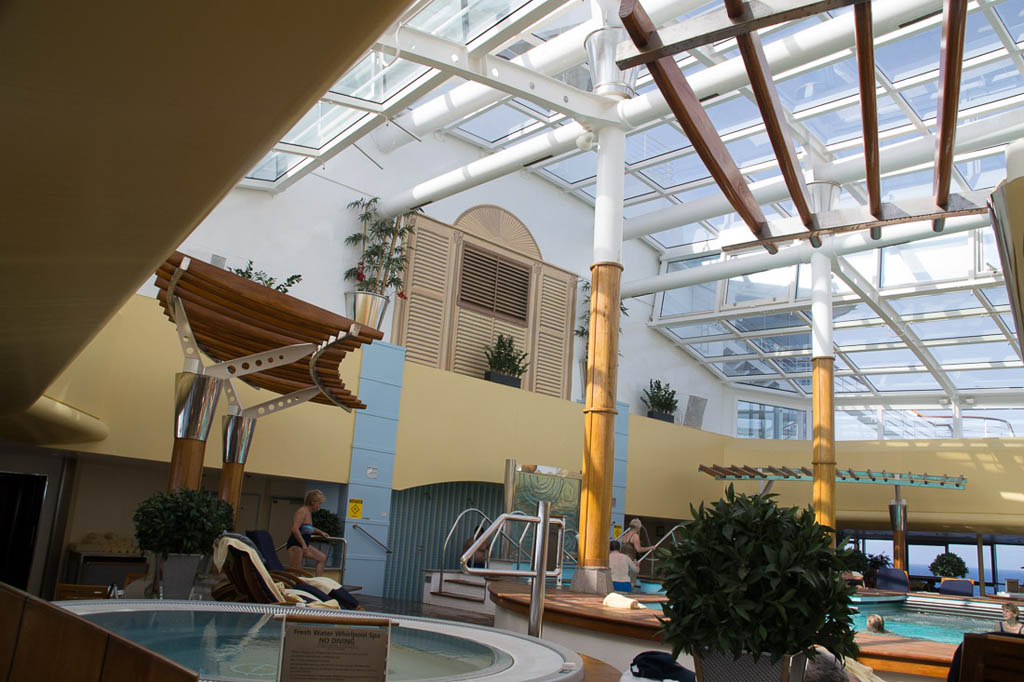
x: 948, y: 565
x: 178, y: 527
x: 752, y: 588
x: 383, y: 244
x: 506, y: 364
x: 660, y: 400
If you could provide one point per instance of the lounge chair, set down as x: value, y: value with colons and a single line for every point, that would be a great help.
x: 265, y: 546
x: 963, y: 587
x: 249, y: 580
x: 990, y: 657
x: 894, y: 579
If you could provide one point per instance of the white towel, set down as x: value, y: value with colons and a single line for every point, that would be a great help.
x: 621, y: 601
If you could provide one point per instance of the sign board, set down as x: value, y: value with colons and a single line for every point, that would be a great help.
x: 616, y: 530
x: 324, y: 649
x: 355, y: 509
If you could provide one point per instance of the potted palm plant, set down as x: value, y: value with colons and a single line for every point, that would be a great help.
x: 948, y: 565
x: 507, y: 365
x: 660, y: 400
x: 752, y: 588
x: 383, y: 244
x: 179, y: 527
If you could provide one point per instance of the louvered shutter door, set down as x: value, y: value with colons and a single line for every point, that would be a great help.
x: 551, y: 359
x: 473, y: 332
x: 426, y: 312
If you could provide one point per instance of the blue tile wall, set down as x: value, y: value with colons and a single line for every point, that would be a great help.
x: 619, y: 470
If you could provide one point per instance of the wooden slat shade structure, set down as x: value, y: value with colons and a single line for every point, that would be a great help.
x: 954, y: 23
x: 869, y: 109
x: 232, y: 317
x: 694, y: 120
x: 735, y: 472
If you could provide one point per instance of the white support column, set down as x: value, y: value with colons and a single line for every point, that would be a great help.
x: 821, y: 305
x: 957, y: 421
x: 611, y: 160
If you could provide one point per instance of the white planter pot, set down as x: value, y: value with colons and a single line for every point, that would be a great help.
x: 717, y: 667
x: 179, y: 572
x: 367, y: 308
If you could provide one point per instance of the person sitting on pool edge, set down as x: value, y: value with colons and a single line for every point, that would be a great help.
x: 622, y: 568
x: 1010, y: 622
x: 876, y: 624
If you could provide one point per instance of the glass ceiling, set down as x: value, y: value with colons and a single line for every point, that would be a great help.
x: 947, y: 301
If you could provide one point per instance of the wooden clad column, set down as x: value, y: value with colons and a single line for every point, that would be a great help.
x: 599, y: 415
x: 824, y: 444
x: 981, y: 566
x: 186, y: 464
x: 230, y: 487
x: 238, y: 430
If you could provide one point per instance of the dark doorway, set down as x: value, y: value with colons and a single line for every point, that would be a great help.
x: 21, y: 501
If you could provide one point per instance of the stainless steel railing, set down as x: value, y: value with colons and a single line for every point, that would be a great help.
x: 538, y: 573
x: 332, y: 540
x: 370, y: 535
x: 483, y: 518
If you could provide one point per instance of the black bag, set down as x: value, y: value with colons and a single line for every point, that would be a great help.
x: 658, y: 665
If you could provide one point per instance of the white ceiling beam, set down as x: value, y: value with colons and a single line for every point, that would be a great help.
x: 853, y: 279
x: 500, y: 74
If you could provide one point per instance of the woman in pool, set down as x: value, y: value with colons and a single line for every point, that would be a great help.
x: 1009, y: 623
x: 302, y: 533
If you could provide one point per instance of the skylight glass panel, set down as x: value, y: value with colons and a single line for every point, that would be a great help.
x: 859, y: 336
x: 932, y: 303
x: 677, y: 171
x: 856, y: 424
x: 680, y: 236
x: 878, y: 359
x: 572, y: 169
x: 783, y: 342
x: 907, y: 185
x: 776, y: 384
x: 643, y: 208
x: 634, y: 187
x: 996, y: 295
x: 462, y: 21
x: 929, y: 260
x: 497, y: 123
x: 845, y: 123
x: 377, y: 77
x: 966, y: 353
x: 1012, y: 14
x: 797, y: 365
x: 897, y: 383
x: 714, y: 349
x: 698, y: 330
x: 772, y: 285
x: 983, y: 173
x: 955, y: 328
x: 839, y: 385
x: 993, y: 423
x: 698, y: 298
x: 844, y: 312
x: 811, y: 88
x: 734, y: 113
x: 982, y: 84
x: 653, y: 142
x: 744, y: 368
x: 274, y: 165
x: 754, y: 149
x: 1008, y: 321
x: 756, y: 323
x: 321, y: 124
x: 988, y: 378
x: 990, y: 261
x: 919, y: 53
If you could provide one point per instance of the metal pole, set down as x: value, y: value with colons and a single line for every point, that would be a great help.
x: 509, y: 503
x: 540, y: 560
x: 981, y: 565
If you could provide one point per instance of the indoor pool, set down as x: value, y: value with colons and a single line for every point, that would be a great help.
x: 241, y: 642
x: 910, y: 622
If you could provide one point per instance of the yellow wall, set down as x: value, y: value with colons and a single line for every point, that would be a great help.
x: 125, y: 378
x: 458, y: 428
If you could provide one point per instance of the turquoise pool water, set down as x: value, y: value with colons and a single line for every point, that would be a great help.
x: 244, y: 646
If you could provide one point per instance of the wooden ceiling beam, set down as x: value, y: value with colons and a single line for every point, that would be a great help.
x: 714, y: 26
x: 869, y: 109
x: 772, y: 114
x: 954, y: 22
x: 694, y: 120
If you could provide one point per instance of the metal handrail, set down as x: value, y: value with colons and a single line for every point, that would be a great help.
x: 369, y: 535
x: 451, y: 531
x: 664, y: 537
x: 332, y: 540
x: 539, y: 573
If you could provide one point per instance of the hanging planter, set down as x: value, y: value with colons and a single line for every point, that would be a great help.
x: 367, y: 308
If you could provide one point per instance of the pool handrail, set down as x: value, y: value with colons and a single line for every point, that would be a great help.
x: 332, y: 540
x: 484, y: 517
x: 367, y: 533
x: 664, y: 537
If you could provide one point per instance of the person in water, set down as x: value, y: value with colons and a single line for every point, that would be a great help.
x: 876, y: 624
x: 1010, y: 622
x: 302, y: 533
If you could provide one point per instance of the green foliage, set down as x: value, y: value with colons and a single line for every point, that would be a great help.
x: 877, y: 561
x: 749, y: 576
x: 582, y: 330
x: 327, y: 521
x: 266, y: 280
x: 948, y: 565
x: 384, y: 250
x: 659, y: 397
x: 503, y: 357
x: 855, y: 560
x: 181, y: 522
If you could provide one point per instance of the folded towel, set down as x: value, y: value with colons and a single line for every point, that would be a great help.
x: 620, y: 601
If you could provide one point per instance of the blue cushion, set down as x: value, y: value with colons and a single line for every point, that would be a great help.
x: 892, y: 579
x: 958, y: 586
x: 265, y: 546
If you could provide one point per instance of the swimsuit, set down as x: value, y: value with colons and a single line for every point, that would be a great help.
x: 1018, y: 631
x: 306, y: 530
